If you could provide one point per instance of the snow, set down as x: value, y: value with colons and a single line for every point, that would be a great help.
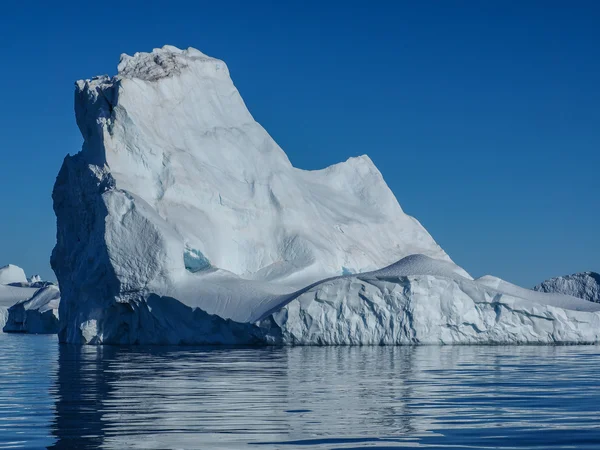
x: 558, y: 300
x: 181, y: 221
x: 38, y: 314
x: 27, y: 306
x: 9, y: 295
x: 174, y: 171
x: 34, y: 279
x: 12, y: 274
x: 585, y: 285
x: 426, y: 303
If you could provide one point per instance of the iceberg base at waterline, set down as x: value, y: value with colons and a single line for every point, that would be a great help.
x: 36, y: 315
x: 418, y: 300
x: 27, y: 305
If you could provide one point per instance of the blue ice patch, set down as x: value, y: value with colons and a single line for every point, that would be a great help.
x: 195, y: 261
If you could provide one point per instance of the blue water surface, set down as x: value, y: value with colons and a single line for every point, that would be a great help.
x: 461, y: 397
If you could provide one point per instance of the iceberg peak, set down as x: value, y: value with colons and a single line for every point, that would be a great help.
x: 169, y: 61
x: 178, y: 193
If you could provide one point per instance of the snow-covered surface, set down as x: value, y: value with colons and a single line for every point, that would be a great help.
x: 34, y: 279
x: 182, y: 221
x: 551, y: 299
x: 38, y: 314
x: 404, y: 304
x: 584, y: 285
x: 12, y: 274
x: 174, y: 133
x: 27, y: 306
x: 9, y: 295
x: 175, y: 172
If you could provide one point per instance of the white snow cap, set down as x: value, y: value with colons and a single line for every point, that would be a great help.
x: 12, y: 274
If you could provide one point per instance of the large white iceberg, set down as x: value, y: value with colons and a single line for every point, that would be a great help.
x: 182, y: 221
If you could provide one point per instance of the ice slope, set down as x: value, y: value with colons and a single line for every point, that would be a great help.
x: 182, y: 222
x: 9, y: 295
x: 12, y: 274
x: 585, y: 285
x: 175, y: 178
x: 418, y: 300
x: 27, y: 306
x: 174, y: 131
x: 36, y: 315
x: 424, y: 301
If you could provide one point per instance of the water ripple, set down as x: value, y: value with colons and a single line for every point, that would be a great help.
x: 463, y: 397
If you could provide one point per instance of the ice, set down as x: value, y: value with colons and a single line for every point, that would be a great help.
x: 181, y: 221
x: 175, y: 172
x: 11, y: 277
x: 584, y: 285
x: 195, y: 261
x: 38, y: 314
x: 428, y: 303
x: 34, y: 279
x: 9, y: 295
x: 27, y: 306
x: 12, y: 274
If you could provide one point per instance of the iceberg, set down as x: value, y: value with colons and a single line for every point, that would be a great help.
x: 420, y: 300
x: 9, y: 295
x: 27, y: 306
x: 585, y: 285
x: 12, y: 274
x: 181, y: 221
x: 36, y: 315
x: 34, y: 279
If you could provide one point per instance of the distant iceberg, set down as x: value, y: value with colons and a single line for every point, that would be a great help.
x: 181, y: 221
x: 27, y: 306
x: 36, y: 315
x: 12, y: 274
x: 585, y: 285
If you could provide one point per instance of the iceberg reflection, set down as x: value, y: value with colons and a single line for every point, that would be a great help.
x: 329, y: 397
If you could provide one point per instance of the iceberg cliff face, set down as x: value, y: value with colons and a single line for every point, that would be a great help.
x: 419, y: 301
x: 585, y: 285
x: 182, y: 221
x: 172, y: 129
x: 176, y: 180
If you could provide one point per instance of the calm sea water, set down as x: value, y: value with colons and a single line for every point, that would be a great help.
x: 462, y: 397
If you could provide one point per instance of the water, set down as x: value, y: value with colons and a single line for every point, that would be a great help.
x: 461, y: 397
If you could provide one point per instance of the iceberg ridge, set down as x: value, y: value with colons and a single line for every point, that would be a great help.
x: 181, y: 221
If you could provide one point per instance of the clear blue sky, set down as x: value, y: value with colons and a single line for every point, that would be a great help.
x: 483, y: 116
